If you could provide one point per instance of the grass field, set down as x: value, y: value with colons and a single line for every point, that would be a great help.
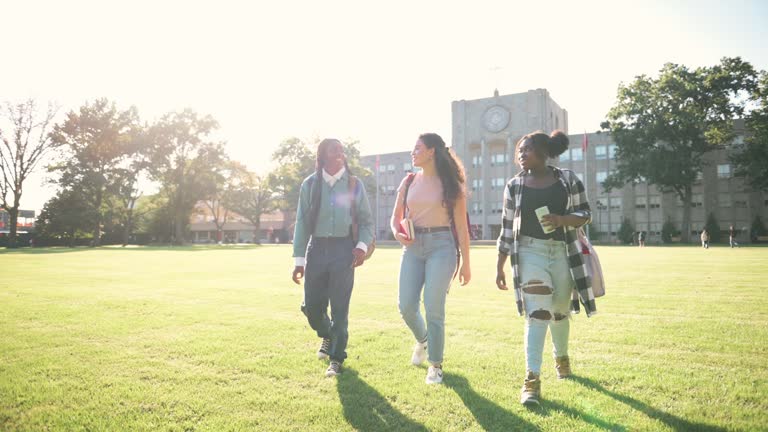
x: 211, y: 338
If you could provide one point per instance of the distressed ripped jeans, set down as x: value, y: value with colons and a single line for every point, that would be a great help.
x: 547, y: 285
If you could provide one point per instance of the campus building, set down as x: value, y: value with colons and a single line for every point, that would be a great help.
x: 24, y: 224
x: 275, y: 227
x: 485, y: 132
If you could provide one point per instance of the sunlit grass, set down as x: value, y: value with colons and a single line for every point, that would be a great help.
x: 212, y: 339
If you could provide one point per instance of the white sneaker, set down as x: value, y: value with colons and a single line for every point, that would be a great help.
x: 419, y: 353
x: 434, y: 375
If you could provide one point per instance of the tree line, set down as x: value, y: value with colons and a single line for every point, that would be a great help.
x: 101, y: 153
x: 663, y: 127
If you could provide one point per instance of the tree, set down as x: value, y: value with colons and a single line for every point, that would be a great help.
x: 295, y: 161
x: 252, y: 196
x: 182, y: 157
x: 626, y: 231
x: 65, y: 218
x: 758, y: 228
x: 23, y: 145
x: 751, y: 159
x: 664, y: 126
x: 713, y: 228
x: 98, y: 141
x: 668, y: 231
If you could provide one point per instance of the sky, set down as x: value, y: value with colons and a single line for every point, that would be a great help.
x: 379, y: 73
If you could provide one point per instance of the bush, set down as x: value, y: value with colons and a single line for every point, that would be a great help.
x: 668, y: 231
x: 626, y: 231
x: 758, y: 229
x: 713, y: 228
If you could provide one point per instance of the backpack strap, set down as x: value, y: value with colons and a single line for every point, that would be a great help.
x: 355, y: 228
x: 408, y: 181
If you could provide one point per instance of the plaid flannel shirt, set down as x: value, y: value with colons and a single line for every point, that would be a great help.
x: 511, y: 221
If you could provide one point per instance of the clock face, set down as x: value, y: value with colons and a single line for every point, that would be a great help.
x: 496, y: 118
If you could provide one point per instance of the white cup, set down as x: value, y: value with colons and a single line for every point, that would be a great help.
x: 540, y: 213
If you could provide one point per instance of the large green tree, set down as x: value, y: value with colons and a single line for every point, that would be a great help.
x: 24, y: 142
x: 97, y: 143
x: 664, y: 126
x: 183, y: 158
x: 251, y: 195
x: 66, y: 217
x: 751, y: 158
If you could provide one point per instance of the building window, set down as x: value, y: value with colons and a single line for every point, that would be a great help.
x: 724, y: 200
x: 476, y: 208
x: 601, y: 176
x: 640, y: 202
x: 724, y: 171
x: 477, y: 184
x: 477, y: 161
x: 497, y: 182
x: 601, y: 152
x: 740, y: 203
x: 612, y: 151
x: 391, y: 168
x: 577, y: 154
x: 699, y: 176
x: 499, y: 159
x: 615, y: 228
x: 496, y: 207
x: 565, y: 157
x: 382, y: 168
x: 697, y: 200
x: 580, y: 176
x: 614, y: 204
x: 655, y: 202
x: 407, y: 166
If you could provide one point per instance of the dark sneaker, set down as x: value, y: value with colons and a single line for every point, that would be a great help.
x: 531, y: 390
x: 325, y: 347
x: 563, y: 367
x: 333, y: 369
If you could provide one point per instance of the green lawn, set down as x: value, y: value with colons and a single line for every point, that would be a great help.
x: 211, y: 338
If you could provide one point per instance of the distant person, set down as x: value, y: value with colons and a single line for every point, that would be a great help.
x: 641, y: 238
x: 705, y: 239
x: 323, y: 242
x: 433, y: 199
x: 732, y: 236
x: 543, y: 208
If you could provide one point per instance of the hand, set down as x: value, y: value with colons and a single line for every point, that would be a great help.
x: 501, y: 280
x: 298, y: 273
x: 403, y: 239
x: 552, y: 221
x: 465, y: 274
x: 359, y: 257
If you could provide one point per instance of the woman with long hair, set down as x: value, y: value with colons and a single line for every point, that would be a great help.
x: 434, y: 200
x: 543, y: 208
x: 332, y: 203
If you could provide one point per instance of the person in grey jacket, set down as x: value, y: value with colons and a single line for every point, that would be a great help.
x: 327, y: 248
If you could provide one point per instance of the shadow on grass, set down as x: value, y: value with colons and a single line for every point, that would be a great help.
x: 488, y: 414
x: 367, y: 410
x: 670, y: 420
x: 131, y: 248
x: 547, y: 405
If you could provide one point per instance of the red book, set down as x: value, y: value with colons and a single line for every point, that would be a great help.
x: 406, y: 227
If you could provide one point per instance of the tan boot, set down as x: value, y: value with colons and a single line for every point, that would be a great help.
x: 563, y: 367
x: 531, y: 389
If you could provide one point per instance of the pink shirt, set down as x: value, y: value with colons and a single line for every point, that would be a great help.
x: 425, y: 202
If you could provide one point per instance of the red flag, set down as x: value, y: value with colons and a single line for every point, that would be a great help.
x: 584, y: 143
x: 378, y: 161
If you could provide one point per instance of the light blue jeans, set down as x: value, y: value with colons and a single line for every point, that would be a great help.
x: 547, y: 285
x: 428, y: 264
